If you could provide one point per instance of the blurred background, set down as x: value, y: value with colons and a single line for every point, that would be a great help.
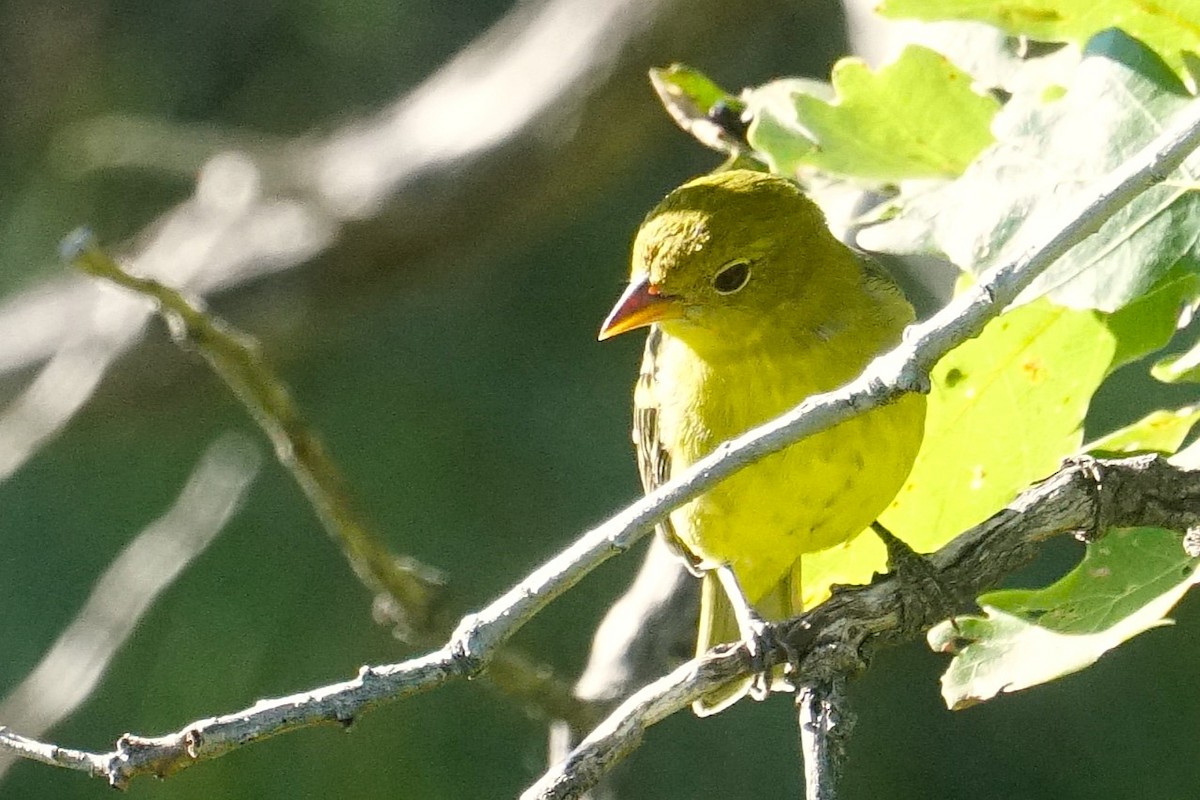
x: 421, y: 211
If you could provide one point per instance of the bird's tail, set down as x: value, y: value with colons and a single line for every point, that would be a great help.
x: 718, y: 625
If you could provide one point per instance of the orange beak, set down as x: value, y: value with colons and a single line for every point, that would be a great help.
x: 640, y: 305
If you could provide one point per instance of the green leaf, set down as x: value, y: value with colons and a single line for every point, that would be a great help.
x: 1039, y: 364
x: 1148, y: 323
x: 997, y: 60
x: 1179, y: 368
x: 851, y: 563
x: 1170, y: 27
x: 775, y: 132
x: 1160, y: 431
x: 1126, y: 584
x: 1188, y: 457
x: 1046, y: 155
x: 699, y: 106
x: 915, y: 118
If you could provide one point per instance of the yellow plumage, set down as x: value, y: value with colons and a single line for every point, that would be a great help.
x: 755, y: 306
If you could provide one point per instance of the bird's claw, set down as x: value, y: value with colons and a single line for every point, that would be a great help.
x: 763, y: 643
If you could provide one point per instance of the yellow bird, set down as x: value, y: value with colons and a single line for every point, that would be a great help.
x: 753, y: 306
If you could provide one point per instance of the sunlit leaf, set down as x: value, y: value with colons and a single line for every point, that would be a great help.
x: 1170, y: 27
x: 1126, y: 584
x: 1046, y: 155
x: 1179, y: 368
x: 1039, y: 364
x: 1149, y: 322
x: 849, y: 563
x: 699, y: 106
x: 1160, y: 431
x: 916, y: 117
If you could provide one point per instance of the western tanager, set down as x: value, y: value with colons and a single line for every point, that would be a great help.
x: 754, y: 305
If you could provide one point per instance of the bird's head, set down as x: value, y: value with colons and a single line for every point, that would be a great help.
x: 726, y: 255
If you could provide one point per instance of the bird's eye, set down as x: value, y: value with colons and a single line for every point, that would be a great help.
x: 732, y: 277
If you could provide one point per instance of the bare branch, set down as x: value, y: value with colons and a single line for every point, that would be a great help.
x: 622, y: 732
x: 236, y: 359
x: 836, y: 640
x: 405, y: 180
x: 649, y: 627
x: 647, y: 631
x: 209, y: 738
x: 414, y: 170
x: 14, y: 745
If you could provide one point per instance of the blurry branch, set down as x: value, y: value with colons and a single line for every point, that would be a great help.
x: 72, y: 668
x: 837, y: 639
x: 1167, y: 499
x: 647, y: 631
x: 236, y: 359
x: 411, y: 594
x: 222, y: 235
x: 662, y: 601
x: 60, y: 389
x: 539, y: 60
x: 467, y: 162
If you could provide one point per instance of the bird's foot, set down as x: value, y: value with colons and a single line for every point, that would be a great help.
x: 760, y: 636
x: 761, y: 642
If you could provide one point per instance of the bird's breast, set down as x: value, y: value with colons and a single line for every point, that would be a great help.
x: 810, y: 496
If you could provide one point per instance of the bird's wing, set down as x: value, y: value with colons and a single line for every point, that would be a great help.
x: 654, y: 462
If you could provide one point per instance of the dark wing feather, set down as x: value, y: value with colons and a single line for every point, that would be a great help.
x: 654, y: 462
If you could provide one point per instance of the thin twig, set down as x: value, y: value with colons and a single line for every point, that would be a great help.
x: 236, y: 359
x: 622, y: 732
x: 645, y: 633
x: 51, y: 754
x: 210, y: 738
x: 836, y: 639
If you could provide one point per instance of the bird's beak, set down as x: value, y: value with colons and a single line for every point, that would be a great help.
x: 639, y: 305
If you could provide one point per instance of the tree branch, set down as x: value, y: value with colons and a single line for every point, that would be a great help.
x: 903, y: 370
x: 236, y: 360
x: 836, y: 640
x: 210, y: 738
x: 825, y: 724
